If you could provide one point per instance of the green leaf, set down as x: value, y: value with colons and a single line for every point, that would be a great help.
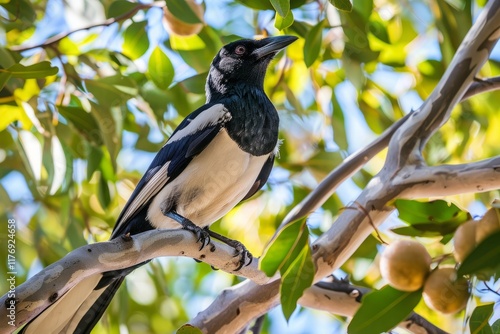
x: 478, y: 322
x: 36, y: 71
x: 135, y: 40
x: 120, y: 7
x: 83, y: 122
x: 21, y: 9
x: 283, y: 22
x: 103, y: 192
x: 496, y: 326
x: 428, y: 229
x: 379, y: 30
x: 485, y: 256
x: 6, y: 59
x: 182, y: 11
x: 312, y: 45
x: 188, y: 329
x: 195, y: 84
x: 4, y: 77
x: 160, y: 69
x: 298, y: 277
x: 382, y: 310
x: 343, y: 5
x: 338, y: 124
x: 279, y: 251
x: 415, y: 212
x: 282, y: 7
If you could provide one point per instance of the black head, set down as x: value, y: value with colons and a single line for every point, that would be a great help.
x: 243, y: 62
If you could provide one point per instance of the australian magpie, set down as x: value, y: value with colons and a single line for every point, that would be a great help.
x: 219, y: 155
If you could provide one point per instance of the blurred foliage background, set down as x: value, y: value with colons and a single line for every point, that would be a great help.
x: 82, y: 115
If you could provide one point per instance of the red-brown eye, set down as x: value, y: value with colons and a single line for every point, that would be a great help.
x: 240, y: 49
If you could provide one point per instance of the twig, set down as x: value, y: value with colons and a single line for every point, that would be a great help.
x: 108, y: 22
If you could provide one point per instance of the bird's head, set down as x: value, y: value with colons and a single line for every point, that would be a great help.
x: 243, y: 62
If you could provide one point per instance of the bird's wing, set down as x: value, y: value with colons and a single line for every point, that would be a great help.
x: 81, y: 307
x: 194, y: 133
x: 261, y: 178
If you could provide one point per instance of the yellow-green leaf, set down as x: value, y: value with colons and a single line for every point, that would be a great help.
x: 135, y: 40
x: 283, y: 22
x: 160, y: 69
x: 278, y: 253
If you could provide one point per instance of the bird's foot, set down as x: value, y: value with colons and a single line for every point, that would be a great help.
x: 201, y: 234
x: 246, y: 257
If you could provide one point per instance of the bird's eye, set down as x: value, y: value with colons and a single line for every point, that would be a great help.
x: 240, y: 49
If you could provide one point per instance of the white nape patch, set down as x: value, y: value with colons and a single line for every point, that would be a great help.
x: 213, y: 115
x: 276, y: 151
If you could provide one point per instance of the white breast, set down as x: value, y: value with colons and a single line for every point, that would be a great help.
x: 211, y: 185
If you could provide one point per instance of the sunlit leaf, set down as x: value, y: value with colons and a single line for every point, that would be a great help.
x: 60, y: 165
x: 188, y: 329
x: 312, y: 45
x: 135, y: 40
x: 279, y: 251
x: 160, y: 69
x: 283, y: 22
x: 485, y: 256
x: 381, y: 310
x: 298, y: 277
x: 32, y: 152
x: 478, y: 322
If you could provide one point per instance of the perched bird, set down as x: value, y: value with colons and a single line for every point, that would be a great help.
x: 219, y: 155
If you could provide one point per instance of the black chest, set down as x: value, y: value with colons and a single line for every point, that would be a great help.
x: 254, y: 124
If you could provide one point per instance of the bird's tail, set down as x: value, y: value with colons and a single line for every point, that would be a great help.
x: 78, y: 310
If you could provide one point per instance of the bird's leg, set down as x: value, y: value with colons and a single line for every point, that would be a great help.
x: 240, y: 249
x: 201, y: 234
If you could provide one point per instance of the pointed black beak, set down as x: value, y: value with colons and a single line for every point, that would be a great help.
x: 272, y: 45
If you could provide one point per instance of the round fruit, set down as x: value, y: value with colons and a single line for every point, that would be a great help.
x: 405, y: 264
x: 464, y: 240
x: 487, y: 225
x: 444, y: 292
x: 179, y: 27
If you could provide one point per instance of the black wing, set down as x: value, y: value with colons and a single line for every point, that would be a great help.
x: 194, y: 133
x: 261, y: 178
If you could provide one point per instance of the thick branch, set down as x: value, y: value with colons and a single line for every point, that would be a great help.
x: 357, y: 160
x: 352, y: 227
x: 43, y: 289
x: 445, y: 180
x: 406, y: 145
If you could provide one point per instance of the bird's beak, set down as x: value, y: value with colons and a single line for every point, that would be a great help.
x: 272, y: 45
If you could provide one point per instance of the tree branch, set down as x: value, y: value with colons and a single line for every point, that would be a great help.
x: 44, y: 288
x: 445, y: 180
x: 352, y: 227
x: 55, y: 39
